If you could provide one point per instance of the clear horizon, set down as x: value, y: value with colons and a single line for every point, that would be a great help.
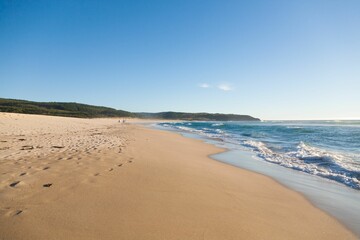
x: 279, y: 60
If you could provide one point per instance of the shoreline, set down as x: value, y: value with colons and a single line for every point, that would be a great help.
x: 326, y: 200
x: 223, y: 149
x: 334, y: 199
x: 143, y: 188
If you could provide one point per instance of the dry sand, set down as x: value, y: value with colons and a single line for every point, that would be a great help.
x: 67, y: 178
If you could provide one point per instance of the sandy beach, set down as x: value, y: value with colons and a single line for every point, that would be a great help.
x: 69, y: 178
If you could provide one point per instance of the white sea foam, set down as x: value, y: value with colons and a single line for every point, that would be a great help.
x: 311, y: 160
x: 219, y: 131
x: 187, y: 129
x: 217, y: 124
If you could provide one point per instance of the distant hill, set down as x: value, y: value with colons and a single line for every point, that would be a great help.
x: 198, y: 116
x: 60, y: 109
x: 68, y: 109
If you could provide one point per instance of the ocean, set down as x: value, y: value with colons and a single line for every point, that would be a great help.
x: 320, y: 159
x: 327, y: 149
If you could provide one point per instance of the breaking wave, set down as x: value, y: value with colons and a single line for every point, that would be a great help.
x: 326, y: 150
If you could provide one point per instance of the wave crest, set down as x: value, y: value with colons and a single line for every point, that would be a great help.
x: 311, y: 160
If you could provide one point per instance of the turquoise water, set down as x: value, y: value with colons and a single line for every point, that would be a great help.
x: 327, y: 149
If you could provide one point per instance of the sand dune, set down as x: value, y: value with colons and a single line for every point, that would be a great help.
x: 68, y: 178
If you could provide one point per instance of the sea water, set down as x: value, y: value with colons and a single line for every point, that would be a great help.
x: 328, y: 149
x: 320, y: 159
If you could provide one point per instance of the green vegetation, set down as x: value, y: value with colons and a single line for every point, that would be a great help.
x: 60, y: 109
x: 198, y: 116
x: 89, y: 111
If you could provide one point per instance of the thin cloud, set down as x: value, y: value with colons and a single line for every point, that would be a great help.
x: 224, y: 87
x: 204, y: 85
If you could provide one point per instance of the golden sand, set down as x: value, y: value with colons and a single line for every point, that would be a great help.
x: 68, y: 178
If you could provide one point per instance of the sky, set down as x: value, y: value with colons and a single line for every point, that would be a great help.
x: 275, y: 59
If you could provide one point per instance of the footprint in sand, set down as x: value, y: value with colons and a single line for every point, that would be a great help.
x: 119, y: 165
x: 22, y: 174
x: 27, y: 147
x: 14, y: 184
x: 18, y: 212
x: 96, y: 174
x: 111, y: 169
x: 45, y: 168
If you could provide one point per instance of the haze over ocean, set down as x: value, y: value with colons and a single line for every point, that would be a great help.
x: 269, y: 59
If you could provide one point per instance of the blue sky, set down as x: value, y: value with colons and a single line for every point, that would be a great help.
x: 270, y: 59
